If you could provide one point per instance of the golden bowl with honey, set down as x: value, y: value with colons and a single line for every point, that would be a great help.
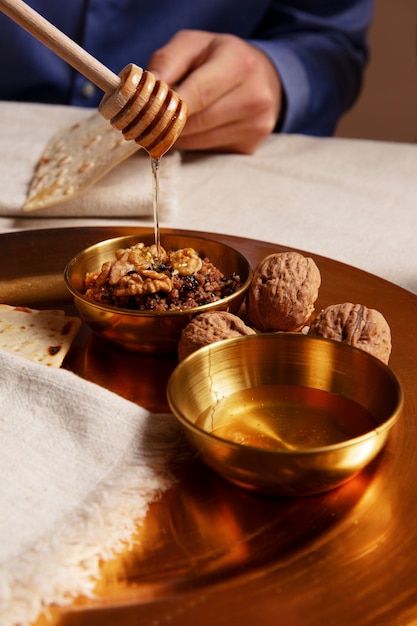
x: 285, y: 414
x: 155, y: 331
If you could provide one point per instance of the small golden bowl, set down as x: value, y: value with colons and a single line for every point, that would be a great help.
x: 285, y: 414
x: 151, y: 332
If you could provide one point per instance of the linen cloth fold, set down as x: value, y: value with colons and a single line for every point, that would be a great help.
x: 125, y: 191
x: 79, y: 466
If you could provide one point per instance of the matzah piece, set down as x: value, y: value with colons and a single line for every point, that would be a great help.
x: 8, y: 307
x: 74, y: 159
x: 41, y: 336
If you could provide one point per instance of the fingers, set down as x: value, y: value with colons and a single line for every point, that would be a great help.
x: 174, y: 61
x: 232, y: 90
x: 202, y: 66
x: 237, y: 122
x: 233, y: 138
x: 224, y: 65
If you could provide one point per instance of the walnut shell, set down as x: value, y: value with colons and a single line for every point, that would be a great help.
x: 356, y: 325
x: 208, y: 328
x: 283, y: 292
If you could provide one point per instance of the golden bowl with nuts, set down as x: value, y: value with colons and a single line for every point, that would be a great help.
x: 285, y: 414
x: 152, y: 331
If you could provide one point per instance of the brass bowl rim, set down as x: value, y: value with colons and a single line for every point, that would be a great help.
x: 384, y: 426
x: 171, y: 313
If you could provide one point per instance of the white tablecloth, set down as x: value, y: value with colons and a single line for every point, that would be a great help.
x: 354, y: 201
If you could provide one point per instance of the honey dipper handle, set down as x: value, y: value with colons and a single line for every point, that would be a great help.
x: 62, y: 45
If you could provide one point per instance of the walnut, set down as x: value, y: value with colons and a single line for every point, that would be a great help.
x: 133, y: 272
x: 138, y: 259
x: 283, y: 292
x: 148, y: 281
x: 186, y: 261
x: 356, y: 325
x: 208, y: 328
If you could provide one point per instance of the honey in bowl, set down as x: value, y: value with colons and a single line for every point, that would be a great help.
x: 286, y: 417
x: 283, y: 413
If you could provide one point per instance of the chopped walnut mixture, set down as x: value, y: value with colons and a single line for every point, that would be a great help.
x: 150, y: 278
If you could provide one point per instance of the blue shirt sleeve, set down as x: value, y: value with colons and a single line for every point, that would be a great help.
x: 320, y: 51
x: 318, y: 47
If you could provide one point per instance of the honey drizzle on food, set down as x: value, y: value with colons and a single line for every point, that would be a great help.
x: 155, y: 163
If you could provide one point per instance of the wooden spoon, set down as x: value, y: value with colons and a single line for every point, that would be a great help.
x: 143, y: 108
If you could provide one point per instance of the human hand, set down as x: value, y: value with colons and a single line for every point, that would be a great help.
x: 232, y: 89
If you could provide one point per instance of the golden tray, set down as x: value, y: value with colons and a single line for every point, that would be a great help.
x: 212, y: 555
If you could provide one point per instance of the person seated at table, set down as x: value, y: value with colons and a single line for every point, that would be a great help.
x: 246, y: 68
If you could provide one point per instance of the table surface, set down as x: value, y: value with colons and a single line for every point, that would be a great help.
x: 350, y: 200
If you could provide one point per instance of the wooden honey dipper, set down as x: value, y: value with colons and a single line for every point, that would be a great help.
x: 143, y: 108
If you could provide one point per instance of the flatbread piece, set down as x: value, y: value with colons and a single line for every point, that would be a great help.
x: 41, y: 336
x: 74, y: 159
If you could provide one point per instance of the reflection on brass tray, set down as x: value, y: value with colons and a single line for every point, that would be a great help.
x: 210, y: 554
